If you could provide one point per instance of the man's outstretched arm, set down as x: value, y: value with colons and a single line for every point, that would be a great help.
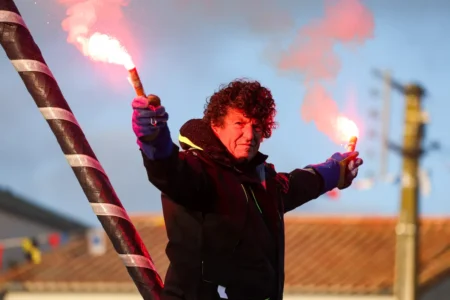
x: 303, y: 185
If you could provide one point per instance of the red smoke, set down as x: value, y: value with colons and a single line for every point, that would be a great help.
x: 345, y: 22
x: 88, y: 17
x: 99, y: 30
x: 312, y: 53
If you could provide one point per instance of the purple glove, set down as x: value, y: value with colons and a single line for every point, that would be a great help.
x: 339, y: 170
x: 150, y: 127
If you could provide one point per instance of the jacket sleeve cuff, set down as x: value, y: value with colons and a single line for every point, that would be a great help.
x: 161, y: 147
x: 330, y: 172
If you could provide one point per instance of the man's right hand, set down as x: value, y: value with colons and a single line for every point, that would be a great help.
x: 150, y: 127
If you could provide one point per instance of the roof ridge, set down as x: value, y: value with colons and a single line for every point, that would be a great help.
x: 19, y: 205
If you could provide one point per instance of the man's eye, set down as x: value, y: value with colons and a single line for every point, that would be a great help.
x: 257, y: 128
x: 239, y: 123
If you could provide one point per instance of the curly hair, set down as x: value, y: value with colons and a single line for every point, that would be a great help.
x: 249, y: 96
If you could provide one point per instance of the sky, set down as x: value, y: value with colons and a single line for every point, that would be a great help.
x: 185, y: 49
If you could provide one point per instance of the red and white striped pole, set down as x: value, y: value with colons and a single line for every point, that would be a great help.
x: 28, y: 61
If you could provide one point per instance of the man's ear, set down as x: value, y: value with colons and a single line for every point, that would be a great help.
x: 215, y: 128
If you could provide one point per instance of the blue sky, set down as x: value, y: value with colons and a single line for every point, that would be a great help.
x: 183, y: 53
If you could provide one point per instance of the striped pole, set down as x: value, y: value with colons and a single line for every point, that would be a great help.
x: 27, y: 59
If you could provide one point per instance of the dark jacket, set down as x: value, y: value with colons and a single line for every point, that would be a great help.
x: 225, y: 220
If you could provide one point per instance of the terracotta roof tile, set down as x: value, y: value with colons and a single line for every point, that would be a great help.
x: 323, y: 254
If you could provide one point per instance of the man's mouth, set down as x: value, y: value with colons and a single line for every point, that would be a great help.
x: 247, y: 147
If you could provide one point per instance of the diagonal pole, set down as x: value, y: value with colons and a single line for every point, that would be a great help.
x: 28, y: 61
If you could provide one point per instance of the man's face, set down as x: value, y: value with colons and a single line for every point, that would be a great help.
x: 240, y: 135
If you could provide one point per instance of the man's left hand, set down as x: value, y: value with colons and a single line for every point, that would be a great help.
x: 348, y: 167
x: 339, y: 170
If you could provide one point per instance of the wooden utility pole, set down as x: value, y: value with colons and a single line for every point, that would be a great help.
x: 407, y: 250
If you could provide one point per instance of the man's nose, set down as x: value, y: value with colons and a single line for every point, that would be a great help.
x: 249, y: 132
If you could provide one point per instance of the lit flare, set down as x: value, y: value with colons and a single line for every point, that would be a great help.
x: 347, y: 132
x: 104, y: 48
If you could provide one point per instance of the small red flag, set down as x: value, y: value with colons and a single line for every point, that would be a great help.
x: 334, y: 194
x: 1, y: 258
x: 54, y: 239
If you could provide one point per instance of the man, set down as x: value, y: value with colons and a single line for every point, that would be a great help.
x: 223, y: 204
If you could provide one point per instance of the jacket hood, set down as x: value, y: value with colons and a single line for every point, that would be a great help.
x: 197, y: 134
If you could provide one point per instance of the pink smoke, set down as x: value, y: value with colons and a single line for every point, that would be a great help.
x: 345, y: 22
x: 86, y: 17
x: 98, y: 29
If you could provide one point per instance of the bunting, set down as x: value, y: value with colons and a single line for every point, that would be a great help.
x: 31, y: 249
x: 33, y: 246
x: 96, y: 241
x: 1, y: 257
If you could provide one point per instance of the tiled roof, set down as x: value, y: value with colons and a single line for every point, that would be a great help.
x: 344, y: 255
